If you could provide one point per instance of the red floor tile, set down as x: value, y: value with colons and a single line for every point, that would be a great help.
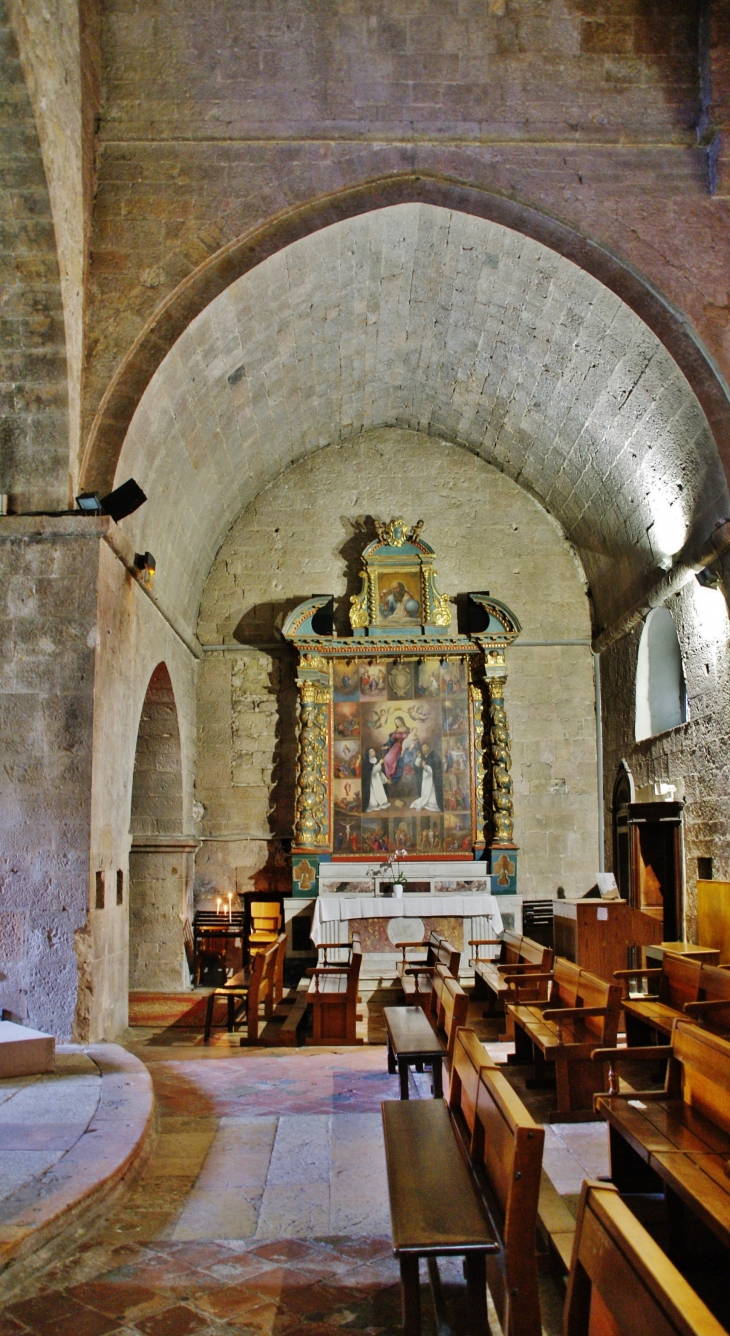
x: 176, y: 1321
x: 113, y: 1299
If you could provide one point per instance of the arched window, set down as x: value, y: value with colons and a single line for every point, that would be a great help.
x: 661, y: 697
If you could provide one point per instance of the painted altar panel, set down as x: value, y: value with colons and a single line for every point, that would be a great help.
x: 402, y: 774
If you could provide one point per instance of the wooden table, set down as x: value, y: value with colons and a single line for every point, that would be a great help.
x: 436, y: 1208
x: 411, y: 1041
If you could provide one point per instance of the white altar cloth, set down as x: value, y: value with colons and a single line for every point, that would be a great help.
x: 345, y: 907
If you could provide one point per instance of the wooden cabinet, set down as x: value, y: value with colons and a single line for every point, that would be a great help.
x: 597, y: 934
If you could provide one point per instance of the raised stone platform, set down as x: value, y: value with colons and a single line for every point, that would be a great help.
x: 67, y: 1139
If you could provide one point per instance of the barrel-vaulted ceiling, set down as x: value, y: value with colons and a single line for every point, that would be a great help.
x: 420, y: 317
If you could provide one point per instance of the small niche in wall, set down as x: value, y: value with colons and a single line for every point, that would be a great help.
x: 120, y: 886
x: 99, y: 904
x: 704, y: 869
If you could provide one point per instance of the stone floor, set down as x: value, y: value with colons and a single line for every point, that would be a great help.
x: 43, y: 1117
x: 262, y: 1205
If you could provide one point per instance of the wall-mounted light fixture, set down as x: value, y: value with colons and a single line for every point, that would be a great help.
x: 123, y: 501
x: 145, y: 565
x: 708, y: 577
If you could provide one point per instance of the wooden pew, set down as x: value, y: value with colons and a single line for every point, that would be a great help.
x: 712, y: 1009
x: 333, y: 997
x: 654, y: 1014
x: 581, y: 1015
x: 416, y: 975
x: 463, y: 1178
x: 416, y: 1037
x: 621, y: 1283
x: 250, y: 987
x: 518, y: 956
x: 676, y: 1139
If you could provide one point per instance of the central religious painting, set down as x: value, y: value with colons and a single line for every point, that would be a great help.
x: 402, y: 757
x: 397, y: 754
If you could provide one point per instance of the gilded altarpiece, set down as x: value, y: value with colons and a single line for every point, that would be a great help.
x: 403, y: 738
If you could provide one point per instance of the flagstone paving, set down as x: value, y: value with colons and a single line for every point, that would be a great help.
x: 261, y: 1208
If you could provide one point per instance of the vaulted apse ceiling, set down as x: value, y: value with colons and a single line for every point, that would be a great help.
x: 417, y: 316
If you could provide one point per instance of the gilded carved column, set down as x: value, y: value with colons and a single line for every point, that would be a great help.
x: 503, y: 823
x: 311, y: 819
x: 481, y: 811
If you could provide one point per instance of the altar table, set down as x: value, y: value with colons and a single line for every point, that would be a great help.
x: 331, y: 911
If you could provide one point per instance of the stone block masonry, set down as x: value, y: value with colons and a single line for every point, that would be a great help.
x: 305, y: 534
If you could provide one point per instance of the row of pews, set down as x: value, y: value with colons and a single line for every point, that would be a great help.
x: 465, y: 1172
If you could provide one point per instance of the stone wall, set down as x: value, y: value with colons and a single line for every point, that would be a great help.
x: 303, y: 535
x: 208, y: 132
x: 80, y: 641
x: 49, y: 594
x: 34, y: 423
x: 693, y: 756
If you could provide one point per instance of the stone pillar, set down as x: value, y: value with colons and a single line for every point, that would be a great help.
x: 161, y: 874
x: 502, y: 849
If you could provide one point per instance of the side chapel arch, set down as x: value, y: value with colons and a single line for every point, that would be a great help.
x: 160, y: 860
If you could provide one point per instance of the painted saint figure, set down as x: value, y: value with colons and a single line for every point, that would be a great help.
x: 374, y: 797
x: 428, y: 801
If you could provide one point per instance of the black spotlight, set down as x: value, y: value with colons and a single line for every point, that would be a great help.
x: 123, y: 500
x: 89, y: 503
x: 145, y: 563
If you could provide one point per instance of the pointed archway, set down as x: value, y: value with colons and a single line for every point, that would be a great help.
x: 161, y: 857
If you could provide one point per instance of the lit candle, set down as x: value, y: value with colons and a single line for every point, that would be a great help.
x: 230, y: 911
x: 218, y: 905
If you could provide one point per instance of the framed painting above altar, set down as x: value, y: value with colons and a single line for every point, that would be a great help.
x: 402, y: 773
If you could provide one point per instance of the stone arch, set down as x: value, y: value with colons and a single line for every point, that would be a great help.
x: 422, y: 318
x: 124, y: 392
x: 160, y: 861
x: 661, y: 695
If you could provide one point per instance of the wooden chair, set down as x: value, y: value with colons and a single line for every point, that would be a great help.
x: 676, y: 982
x: 265, y: 924
x: 581, y: 1013
x: 621, y: 1283
x: 210, y: 957
x: 333, y: 997
x: 278, y: 969
x: 417, y: 976
x: 464, y: 1178
x: 250, y: 987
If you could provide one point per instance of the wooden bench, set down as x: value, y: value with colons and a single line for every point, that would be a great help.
x: 712, y: 1009
x: 518, y: 956
x: 621, y: 1283
x: 581, y: 1015
x: 416, y: 975
x: 676, y: 982
x: 675, y: 1140
x: 463, y: 1179
x: 416, y: 1037
x: 250, y: 987
x: 333, y: 997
